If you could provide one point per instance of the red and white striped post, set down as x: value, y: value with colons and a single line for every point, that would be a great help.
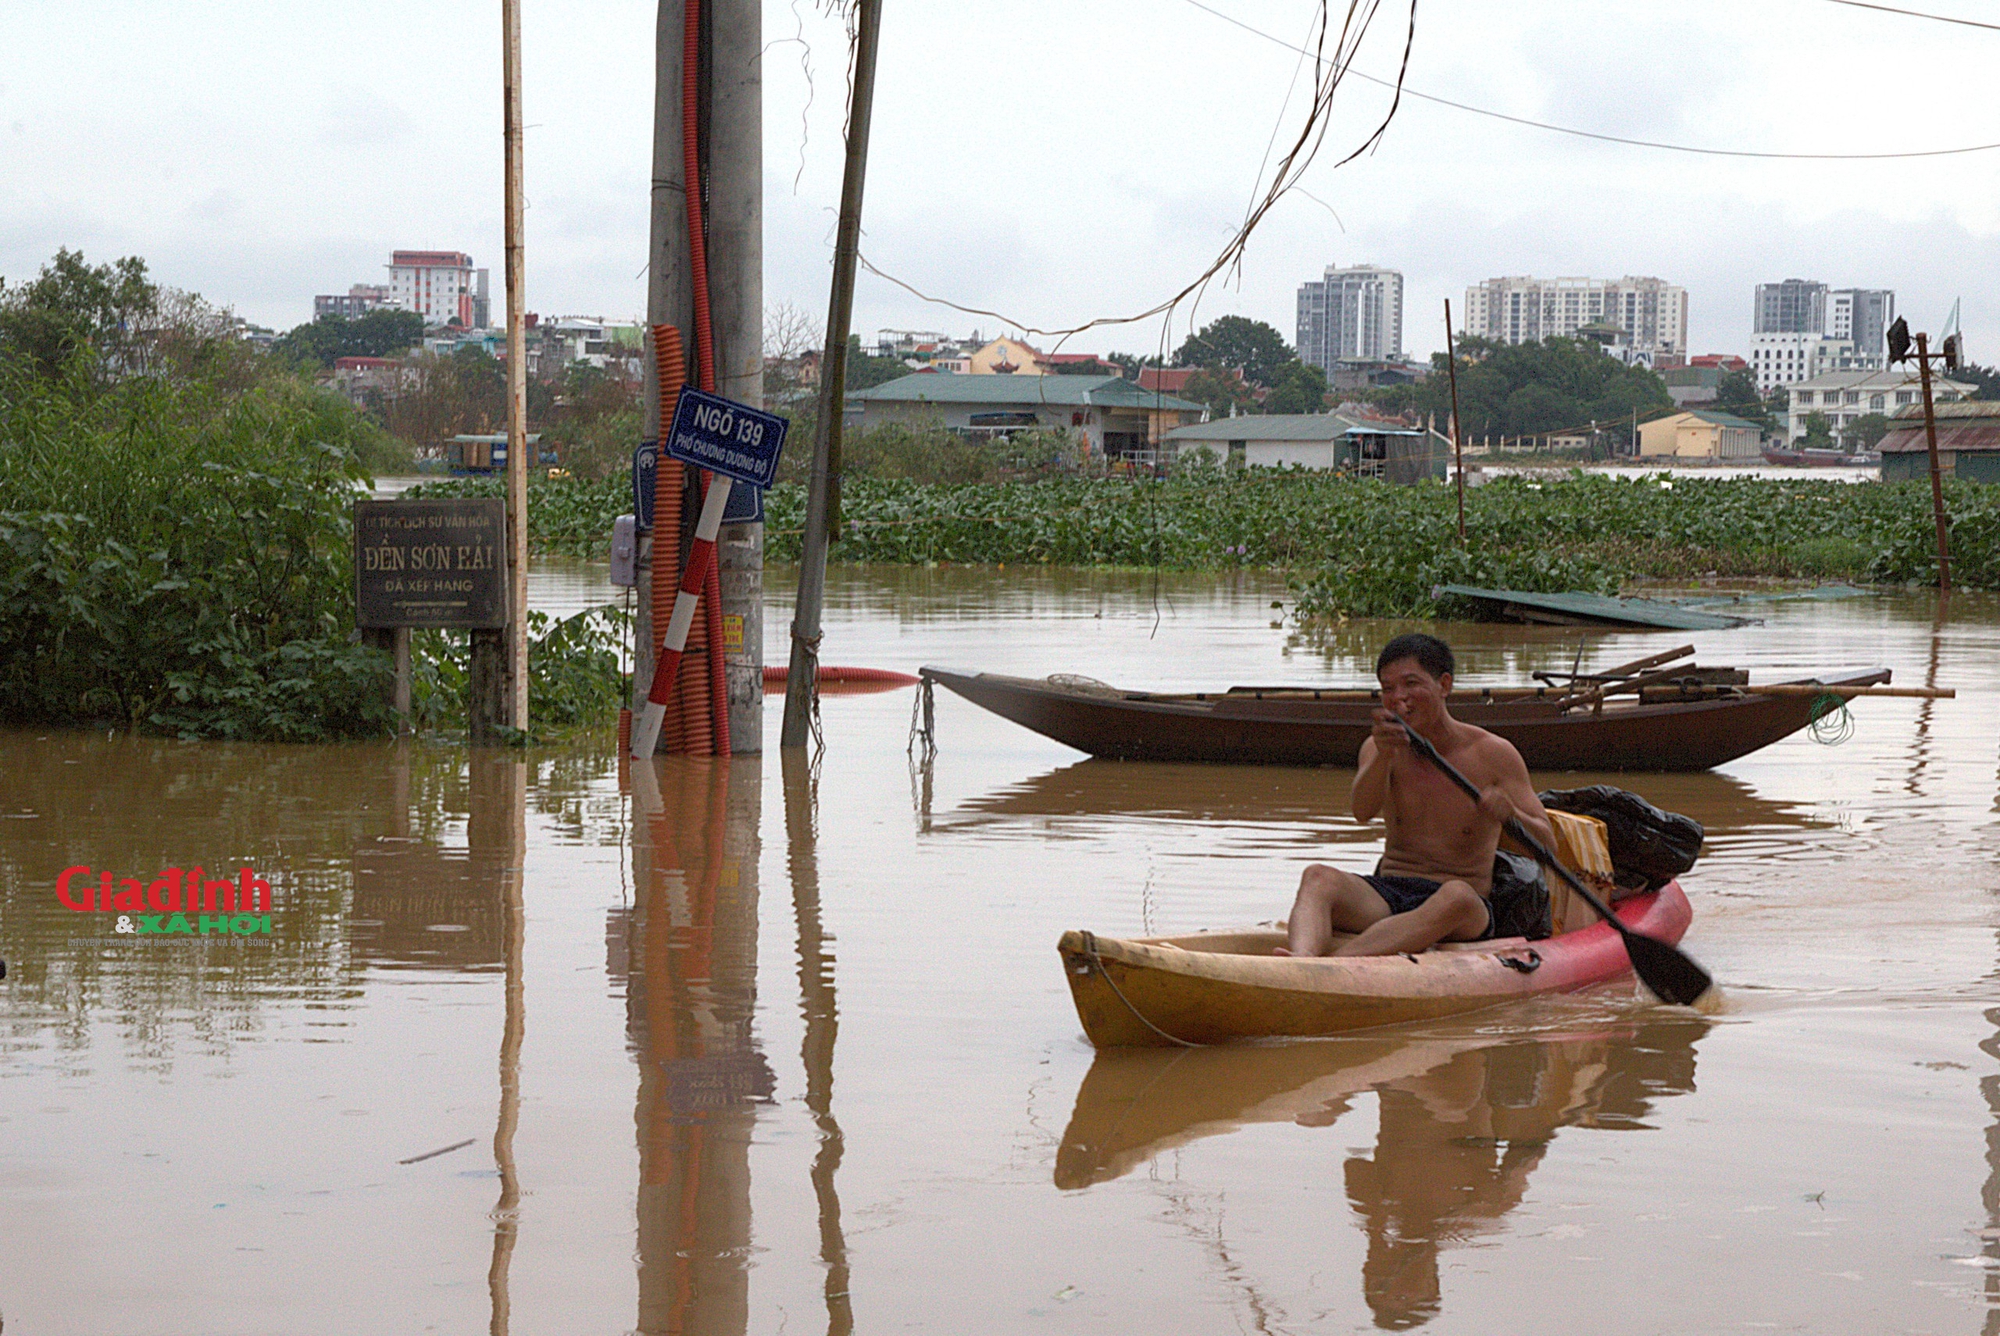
x: 701, y: 556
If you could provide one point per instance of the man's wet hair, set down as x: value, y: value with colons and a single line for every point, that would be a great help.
x: 1432, y: 655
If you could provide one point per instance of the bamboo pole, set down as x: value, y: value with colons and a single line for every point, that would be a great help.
x: 1560, y: 695
x: 823, y: 496
x: 1805, y: 689
x: 517, y: 381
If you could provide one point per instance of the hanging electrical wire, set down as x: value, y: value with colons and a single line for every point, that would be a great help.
x: 1404, y: 90
x: 1331, y: 68
x: 1917, y: 14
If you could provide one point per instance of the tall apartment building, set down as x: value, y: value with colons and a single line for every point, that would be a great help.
x: 1788, y: 358
x: 357, y: 301
x: 1650, y: 314
x: 1351, y: 315
x: 1861, y: 316
x: 1795, y: 306
x: 441, y: 286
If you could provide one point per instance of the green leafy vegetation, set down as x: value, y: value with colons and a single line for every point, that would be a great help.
x: 381, y: 333
x: 1366, y: 548
x: 1737, y: 395
x: 571, y: 516
x: 175, y: 558
x: 75, y: 311
x: 1250, y: 346
x: 1865, y: 432
x: 574, y: 679
x: 175, y: 533
x: 1527, y: 389
x: 1238, y: 355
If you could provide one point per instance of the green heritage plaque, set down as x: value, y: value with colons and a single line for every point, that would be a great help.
x: 430, y: 563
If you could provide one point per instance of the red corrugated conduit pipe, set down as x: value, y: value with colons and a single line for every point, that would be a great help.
x: 668, y: 484
x: 704, y: 335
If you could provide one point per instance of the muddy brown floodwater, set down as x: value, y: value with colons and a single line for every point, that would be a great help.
x: 760, y: 1048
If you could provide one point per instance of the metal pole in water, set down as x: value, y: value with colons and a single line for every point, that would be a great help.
x: 1457, y: 448
x: 801, y: 683
x: 1938, y: 517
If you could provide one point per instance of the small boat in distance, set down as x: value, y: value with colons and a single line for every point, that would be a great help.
x: 1642, y: 717
x: 1217, y: 987
x: 1812, y: 457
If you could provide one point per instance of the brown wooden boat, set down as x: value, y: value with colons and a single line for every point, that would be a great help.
x: 1687, y: 723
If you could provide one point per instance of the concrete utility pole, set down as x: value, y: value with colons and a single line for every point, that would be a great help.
x: 801, y: 684
x: 517, y: 384
x: 735, y: 225
x: 1938, y: 517
x: 735, y: 229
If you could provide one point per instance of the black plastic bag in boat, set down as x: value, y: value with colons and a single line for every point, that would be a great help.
x: 1519, y: 900
x: 1649, y: 848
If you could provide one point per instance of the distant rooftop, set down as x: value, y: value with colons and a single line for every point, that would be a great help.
x: 1965, y: 425
x: 948, y: 387
x: 1892, y: 378
x: 1720, y: 419
x: 1287, y: 427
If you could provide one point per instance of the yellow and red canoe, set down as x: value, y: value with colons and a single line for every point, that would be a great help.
x: 1215, y: 987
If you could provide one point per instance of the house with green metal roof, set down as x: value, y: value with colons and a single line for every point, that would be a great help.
x: 1700, y: 434
x: 1366, y: 447
x: 1104, y: 413
x: 1968, y: 443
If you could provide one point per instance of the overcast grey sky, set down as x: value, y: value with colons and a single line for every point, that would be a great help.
x: 1053, y: 161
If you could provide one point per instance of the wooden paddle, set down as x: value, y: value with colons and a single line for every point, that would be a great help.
x: 1661, y: 966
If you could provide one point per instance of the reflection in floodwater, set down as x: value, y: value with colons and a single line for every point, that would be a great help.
x: 1464, y: 1120
x: 690, y: 955
x: 496, y: 837
x: 822, y: 1026
x: 1989, y: 1087
x: 1920, y: 738
x: 1312, y: 805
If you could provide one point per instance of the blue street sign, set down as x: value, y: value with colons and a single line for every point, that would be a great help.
x: 726, y: 437
x: 746, y: 503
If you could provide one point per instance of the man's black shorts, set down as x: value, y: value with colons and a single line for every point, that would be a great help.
x: 1517, y: 906
x: 1402, y: 894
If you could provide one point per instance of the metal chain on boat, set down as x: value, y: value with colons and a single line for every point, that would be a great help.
x: 1097, y: 962
x: 923, y: 723
x: 1832, y: 722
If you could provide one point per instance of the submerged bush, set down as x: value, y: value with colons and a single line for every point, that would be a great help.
x: 574, y: 679
x: 175, y: 557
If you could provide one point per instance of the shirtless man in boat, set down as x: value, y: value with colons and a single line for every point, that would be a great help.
x: 1436, y: 872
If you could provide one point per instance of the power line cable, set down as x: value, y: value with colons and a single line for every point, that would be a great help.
x: 1330, y: 70
x: 1404, y: 90
x: 1918, y: 14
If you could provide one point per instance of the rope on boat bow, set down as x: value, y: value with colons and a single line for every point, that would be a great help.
x: 1097, y: 962
x: 1832, y: 722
